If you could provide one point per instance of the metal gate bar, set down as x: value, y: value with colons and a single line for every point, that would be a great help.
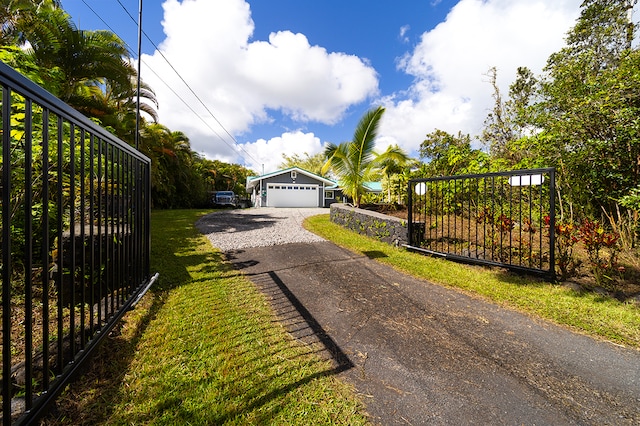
x: 502, y: 219
x: 75, y: 242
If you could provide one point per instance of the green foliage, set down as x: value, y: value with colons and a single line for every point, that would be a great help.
x: 20, y: 61
x: 451, y: 155
x: 92, y: 72
x: 581, y: 116
x: 587, y: 110
x: 354, y: 162
x: 310, y: 163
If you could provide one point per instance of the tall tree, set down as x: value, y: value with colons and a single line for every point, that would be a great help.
x: 13, y: 13
x: 395, y: 160
x: 589, y: 108
x: 93, y: 70
x: 87, y: 59
x: 509, y: 123
x: 506, y: 124
x: 310, y: 163
x: 448, y: 154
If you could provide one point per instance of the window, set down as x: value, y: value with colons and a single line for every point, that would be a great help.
x: 294, y: 174
x: 328, y: 194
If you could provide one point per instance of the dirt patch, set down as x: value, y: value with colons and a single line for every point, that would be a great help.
x: 395, y: 210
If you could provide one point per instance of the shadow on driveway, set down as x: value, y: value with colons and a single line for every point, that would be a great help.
x: 299, y: 321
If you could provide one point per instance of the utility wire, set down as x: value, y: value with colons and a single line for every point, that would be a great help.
x: 191, y: 90
x: 181, y: 78
x: 164, y: 82
x: 131, y: 52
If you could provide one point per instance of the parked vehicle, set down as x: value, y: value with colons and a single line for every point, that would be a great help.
x: 225, y: 198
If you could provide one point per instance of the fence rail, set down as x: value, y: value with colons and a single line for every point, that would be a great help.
x: 503, y: 219
x: 74, y: 238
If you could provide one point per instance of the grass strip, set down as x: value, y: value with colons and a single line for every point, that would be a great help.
x: 205, y: 348
x: 589, y: 313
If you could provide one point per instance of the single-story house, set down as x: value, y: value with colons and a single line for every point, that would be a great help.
x: 296, y: 187
x: 292, y: 187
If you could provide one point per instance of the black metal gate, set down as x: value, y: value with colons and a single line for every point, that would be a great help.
x: 503, y: 219
x: 74, y: 237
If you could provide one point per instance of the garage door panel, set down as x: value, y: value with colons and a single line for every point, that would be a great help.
x: 291, y: 195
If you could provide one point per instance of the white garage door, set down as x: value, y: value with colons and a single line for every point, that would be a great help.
x: 292, y: 195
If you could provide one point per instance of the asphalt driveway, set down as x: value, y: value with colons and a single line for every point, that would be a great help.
x: 422, y: 354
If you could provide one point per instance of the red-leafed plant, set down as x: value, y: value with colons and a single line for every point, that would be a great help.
x: 566, y: 237
x: 602, y: 250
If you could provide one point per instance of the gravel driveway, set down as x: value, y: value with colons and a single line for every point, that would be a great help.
x: 258, y: 227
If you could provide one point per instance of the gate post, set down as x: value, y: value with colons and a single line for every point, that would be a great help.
x: 410, y: 214
x: 552, y: 224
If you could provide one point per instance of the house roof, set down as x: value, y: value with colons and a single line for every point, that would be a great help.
x: 373, y: 186
x: 253, y: 181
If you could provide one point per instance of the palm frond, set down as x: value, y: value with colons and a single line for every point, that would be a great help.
x: 329, y: 150
x: 352, y: 162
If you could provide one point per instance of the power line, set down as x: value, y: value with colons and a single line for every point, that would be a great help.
x: 237, y: 144
x: 162, y: 80
x: 131, y: 52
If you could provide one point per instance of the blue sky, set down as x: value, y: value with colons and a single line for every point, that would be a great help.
x: 288, y: 76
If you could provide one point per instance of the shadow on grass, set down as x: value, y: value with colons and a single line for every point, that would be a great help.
x: 302, y: 325
x: 293, y: 313
x: 253, y: 376
x: 87, y: 399
x: 375, y: 254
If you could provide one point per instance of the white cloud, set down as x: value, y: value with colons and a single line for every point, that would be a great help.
x: 241, y: 80
x: 403, y: 33
x: 269, y: 153
x: 245, y: 81
x: 451, y: 91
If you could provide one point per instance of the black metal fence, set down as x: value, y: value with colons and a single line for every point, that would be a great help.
x: 75, y: 241
x: 503, y: 219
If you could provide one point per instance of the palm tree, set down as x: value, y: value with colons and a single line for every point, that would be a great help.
x: 13, y: 13
x: 87, y: 60
x: 171, y: 163
x: 94, y: 73
x: 354, y: 162
x: 116, y: 108
x: 395, y: 160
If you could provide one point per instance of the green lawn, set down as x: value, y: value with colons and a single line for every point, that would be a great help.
x: 588, y: 313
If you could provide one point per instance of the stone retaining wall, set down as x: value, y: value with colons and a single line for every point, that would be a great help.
x: 385, y: 228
